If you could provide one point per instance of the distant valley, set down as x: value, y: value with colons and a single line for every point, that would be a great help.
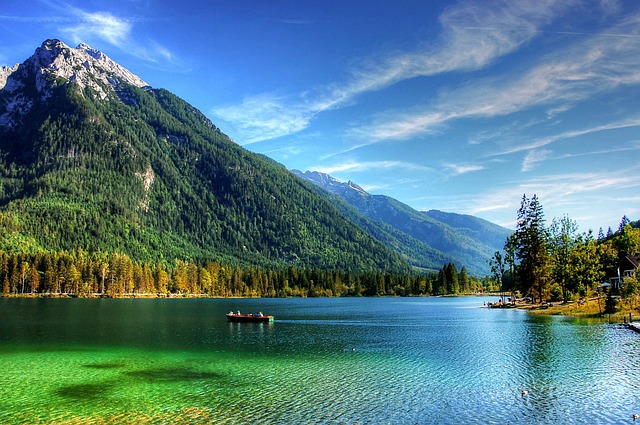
x: 427, y: 239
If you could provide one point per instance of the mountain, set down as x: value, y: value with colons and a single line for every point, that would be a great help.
x: 93, y: 158
x: 427, y: 239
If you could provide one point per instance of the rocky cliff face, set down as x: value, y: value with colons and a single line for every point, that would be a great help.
x: 54, y: 64
x: 5, y: 71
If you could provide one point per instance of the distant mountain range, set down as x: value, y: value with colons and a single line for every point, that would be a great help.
x: 93, y: 158
x: 426, y: 239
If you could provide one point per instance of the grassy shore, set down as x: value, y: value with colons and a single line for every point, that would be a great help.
x: 592, y: 308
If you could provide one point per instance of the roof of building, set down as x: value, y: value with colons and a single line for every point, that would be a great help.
x: 634, y: 259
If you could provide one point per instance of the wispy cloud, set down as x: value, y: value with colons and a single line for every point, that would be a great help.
x: 474, y: 34
x: 263, y: 117
x: 566, y: 192
x: 633, y: 146
x: 533, y: 158
x: 354, y: 166
x: 103, y: 25
x: 295, y: 21
x: 37, y: 19
x: 83, y: 26
x: 458, y: 169
x: 633, y: 121
x: 560, y: 79
x: 536, y: 156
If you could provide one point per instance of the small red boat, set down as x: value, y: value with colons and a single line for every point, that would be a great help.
x: 250, y: 317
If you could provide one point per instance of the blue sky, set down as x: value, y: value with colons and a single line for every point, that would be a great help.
x: 458, y: 106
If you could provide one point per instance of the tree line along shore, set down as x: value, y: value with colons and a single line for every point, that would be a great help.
x: 82, y: 274
x: 576, y: 272
x: 554, y: 264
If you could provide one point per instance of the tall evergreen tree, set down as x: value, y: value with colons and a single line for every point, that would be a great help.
x: 530, y: 240
x: 623, y: 223
x: 464, y: 281
x: 451, y: 276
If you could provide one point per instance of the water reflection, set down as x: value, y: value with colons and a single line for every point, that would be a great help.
x: 250, y: 336
x: 435, y: 360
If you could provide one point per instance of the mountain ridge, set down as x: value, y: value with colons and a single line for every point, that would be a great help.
x: 462, y: 239
x: 91, y: 157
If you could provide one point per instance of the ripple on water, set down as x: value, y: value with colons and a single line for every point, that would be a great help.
x: 457, y: 365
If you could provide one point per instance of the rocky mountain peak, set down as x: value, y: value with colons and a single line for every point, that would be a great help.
x: 96, y: 54
x: 5, y: 71
x: 321, y: 179
x: 332, y: 184
x: 54, y: 64
x: 84, y: 65
x: 353, y: 186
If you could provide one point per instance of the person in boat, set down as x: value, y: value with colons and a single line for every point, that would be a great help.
x: 259, y: 314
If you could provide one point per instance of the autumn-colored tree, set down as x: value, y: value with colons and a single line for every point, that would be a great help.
x: 34, y: 278
x: 180, y: 278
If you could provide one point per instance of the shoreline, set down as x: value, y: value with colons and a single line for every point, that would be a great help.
x: 593, y: 308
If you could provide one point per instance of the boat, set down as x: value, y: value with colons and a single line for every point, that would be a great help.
x: 249, y: 317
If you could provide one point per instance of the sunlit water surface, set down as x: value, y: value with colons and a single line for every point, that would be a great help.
x: 323, y: 361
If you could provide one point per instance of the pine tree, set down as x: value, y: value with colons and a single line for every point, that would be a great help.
x: 465, y: 281
x: 531, y: 240
x: 623, y: 223
x: 451, y: 276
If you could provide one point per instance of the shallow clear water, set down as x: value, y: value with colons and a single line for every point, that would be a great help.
x: 323, y: 361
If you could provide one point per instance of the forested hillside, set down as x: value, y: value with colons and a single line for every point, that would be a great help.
x: 101, y: 164
x: 426, y: 239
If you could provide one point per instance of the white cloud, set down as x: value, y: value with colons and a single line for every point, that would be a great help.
x: 35, y: 19
x: 544, y: 141
x: 559, y: 195
x: 355, y: 166
x: 632, y: 146
x: 458, y: 169
x: 560, y: 79
x: 474, y: 34
x: 532, y: 159
x: 102, y: 25
x: 87, y: 27
x: 264, y: 117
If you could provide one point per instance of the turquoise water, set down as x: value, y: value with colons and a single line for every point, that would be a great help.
x: 323, y: 361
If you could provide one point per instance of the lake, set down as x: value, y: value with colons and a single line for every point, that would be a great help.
x: 323, y: 361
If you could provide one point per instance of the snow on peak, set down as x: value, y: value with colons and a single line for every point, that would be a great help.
x: 321, y: 179
x: 357, y: 188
